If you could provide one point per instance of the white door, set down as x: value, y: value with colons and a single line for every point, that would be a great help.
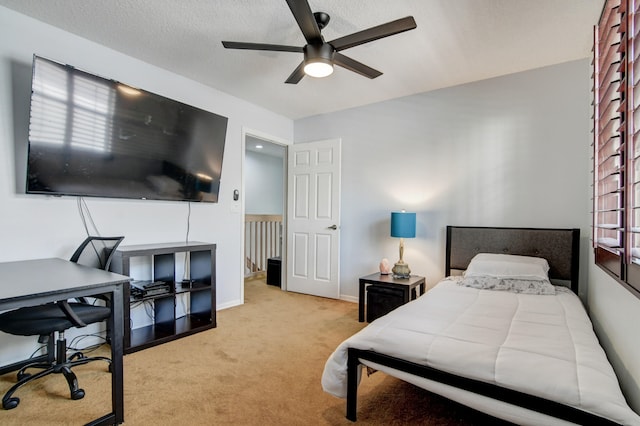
x: 313, y: 219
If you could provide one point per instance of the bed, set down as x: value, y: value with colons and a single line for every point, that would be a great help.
x: 525, y: 358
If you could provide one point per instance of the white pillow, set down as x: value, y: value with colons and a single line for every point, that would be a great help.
x: 508, y: 266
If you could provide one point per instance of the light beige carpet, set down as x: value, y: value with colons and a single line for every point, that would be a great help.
x: 261, y: 366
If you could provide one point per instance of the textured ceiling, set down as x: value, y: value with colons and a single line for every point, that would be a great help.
x: 456, y: 41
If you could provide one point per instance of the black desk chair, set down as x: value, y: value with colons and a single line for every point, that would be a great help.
x: 46, y: 320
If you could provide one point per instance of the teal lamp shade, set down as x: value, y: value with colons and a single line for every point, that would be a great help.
x: 403, y: 225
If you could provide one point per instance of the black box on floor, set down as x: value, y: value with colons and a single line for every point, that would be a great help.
x: 382, y: 300
x: 274, y: 269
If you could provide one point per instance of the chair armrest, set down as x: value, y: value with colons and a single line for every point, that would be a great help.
x: 70, y: 314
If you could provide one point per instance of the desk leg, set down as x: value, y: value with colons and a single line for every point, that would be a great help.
x: 361, y: 301
x: 117, y: 337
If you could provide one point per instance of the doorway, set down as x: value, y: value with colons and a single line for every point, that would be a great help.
x: 264, y: 176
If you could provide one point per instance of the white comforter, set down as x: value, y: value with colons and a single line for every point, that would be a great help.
x: 541, y: 345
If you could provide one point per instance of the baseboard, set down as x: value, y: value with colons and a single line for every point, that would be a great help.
x: 348, y: 298
x: 228, y: 305
x: 238, y: 302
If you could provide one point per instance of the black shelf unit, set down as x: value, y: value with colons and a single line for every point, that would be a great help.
x: 201, y: 288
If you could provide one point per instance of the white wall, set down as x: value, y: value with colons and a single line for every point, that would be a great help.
x: 33, y: 226
x: 264, y: 183
x: 615, y: 314
x: 509, y: 151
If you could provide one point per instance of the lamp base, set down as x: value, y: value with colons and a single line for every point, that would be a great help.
x: 401, y: 270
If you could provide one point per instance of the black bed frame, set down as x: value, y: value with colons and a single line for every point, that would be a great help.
x: 561, y: 248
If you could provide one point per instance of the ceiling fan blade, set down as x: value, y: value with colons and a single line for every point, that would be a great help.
x: 355, y: 66
x: 374, y: 33
x: 306, y: 21
x: 261, y: 46
x: 296, y: 75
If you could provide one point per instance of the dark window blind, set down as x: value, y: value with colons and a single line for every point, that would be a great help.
x: 632, y: 129
x: 616, y: 96
x: 608, y: 144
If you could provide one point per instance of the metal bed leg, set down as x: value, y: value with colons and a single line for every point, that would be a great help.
x: 352, y: 384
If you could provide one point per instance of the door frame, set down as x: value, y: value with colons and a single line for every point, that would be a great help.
x: 278, y: 141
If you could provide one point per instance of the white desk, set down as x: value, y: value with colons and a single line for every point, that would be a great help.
x: 33, y: 282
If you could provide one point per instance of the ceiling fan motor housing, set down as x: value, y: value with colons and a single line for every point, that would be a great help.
x: 318, y: 59
x: 318, y: 53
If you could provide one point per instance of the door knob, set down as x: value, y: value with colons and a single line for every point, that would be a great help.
x: 334, y: 227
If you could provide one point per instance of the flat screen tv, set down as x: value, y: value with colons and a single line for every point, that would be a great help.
x: 91, y: 136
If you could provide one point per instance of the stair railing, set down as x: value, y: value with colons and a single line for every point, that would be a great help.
x: 263, y: 240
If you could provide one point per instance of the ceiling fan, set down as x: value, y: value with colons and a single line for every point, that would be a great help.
x: 319, y: 55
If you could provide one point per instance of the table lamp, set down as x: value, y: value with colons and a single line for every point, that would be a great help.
x: 403, y: 225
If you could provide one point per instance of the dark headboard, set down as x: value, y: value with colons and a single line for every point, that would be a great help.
x: 561, y: 247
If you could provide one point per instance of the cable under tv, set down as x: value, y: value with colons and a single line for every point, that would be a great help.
x: 143, y: 288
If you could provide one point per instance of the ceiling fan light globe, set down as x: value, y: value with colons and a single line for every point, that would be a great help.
x: 318, y: 69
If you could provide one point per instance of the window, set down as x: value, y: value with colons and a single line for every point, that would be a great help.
x: 616, y: 215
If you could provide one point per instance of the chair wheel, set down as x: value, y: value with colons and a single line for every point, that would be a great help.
x: 78, y: 394
x: 23, y: 375
x: 10, y: 403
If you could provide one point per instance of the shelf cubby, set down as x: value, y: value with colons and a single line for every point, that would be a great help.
x: 201, y: 288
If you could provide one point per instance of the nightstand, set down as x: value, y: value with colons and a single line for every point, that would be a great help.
x: 384, y: 287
